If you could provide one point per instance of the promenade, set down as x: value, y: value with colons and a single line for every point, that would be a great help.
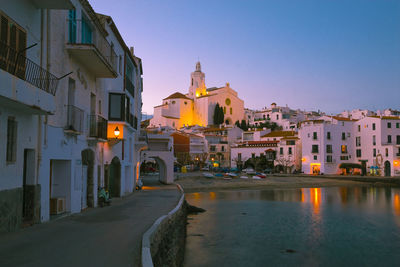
x: 109, y: 236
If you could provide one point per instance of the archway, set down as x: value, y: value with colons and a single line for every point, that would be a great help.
x: 87, y: 197
x: 228, y: 121
x: 387, y: 168
x: 114, y: 180
x: 164, y: 164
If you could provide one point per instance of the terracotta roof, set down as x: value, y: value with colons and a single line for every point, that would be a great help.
x: 290, y: 138
x: 170, y: 117
x: 214, y: 129
x: 385, y: 117
x: 258, y: 144
x: 341, y: 118
x: 280, y: 134
x: 177, y: 95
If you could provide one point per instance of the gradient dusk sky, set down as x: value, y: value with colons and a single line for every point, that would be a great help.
x: 330, y: 55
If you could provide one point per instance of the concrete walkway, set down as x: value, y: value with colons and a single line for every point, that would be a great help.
x: 109, y: 236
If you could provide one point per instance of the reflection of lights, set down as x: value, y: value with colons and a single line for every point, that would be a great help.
x: 396, y: 204
x: 212, y: 195
x: 315, y: 198
x: 302, y: 196
x: 303, y: 159
x: 196, y: 195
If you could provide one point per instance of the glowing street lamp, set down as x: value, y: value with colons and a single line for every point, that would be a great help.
x: 116, y: 132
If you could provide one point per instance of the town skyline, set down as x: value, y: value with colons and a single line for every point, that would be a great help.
x: 269, y: 51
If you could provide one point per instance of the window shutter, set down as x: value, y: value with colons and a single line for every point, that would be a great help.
x: 4, y: 30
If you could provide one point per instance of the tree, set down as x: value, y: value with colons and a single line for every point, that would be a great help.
x: 237, y: 123
x: 286, y: 163
x: 218, y: 115
x: 243, y: 125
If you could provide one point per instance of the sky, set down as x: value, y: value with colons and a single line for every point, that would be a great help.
x: 328, y: 55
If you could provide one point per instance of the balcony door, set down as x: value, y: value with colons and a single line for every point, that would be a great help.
x: 86, y: 31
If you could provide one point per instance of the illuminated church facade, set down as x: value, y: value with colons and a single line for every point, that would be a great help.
x: 197, y: 107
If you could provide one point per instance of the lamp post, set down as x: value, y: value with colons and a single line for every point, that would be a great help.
x: 116, y: 132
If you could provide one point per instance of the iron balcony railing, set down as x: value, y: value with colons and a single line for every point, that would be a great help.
x: 74, y: 119
x: 18, y: 65
x: 98, y: 127
x: 81, y: 32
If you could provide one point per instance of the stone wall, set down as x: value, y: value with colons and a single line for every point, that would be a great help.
x: 168, y: 244
x: 164, y: 243
x: 10, y: 209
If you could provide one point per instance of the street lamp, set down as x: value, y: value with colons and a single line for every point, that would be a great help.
x: 116, y: 132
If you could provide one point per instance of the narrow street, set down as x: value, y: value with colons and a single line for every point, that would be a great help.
x: 109, y: 236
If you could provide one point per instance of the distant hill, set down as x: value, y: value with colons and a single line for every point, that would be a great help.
x: 146, y: 116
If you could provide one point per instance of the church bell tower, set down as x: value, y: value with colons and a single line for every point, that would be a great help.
x: 197, y: 80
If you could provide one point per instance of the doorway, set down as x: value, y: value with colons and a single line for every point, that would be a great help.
x: 115, y: 178
x: 387, y: 168
x: 29, y: 187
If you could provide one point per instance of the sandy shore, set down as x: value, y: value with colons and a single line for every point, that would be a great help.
x: 196, y: 182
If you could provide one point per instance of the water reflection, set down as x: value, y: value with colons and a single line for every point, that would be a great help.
x: 330, y: 226
x: 361, y: 196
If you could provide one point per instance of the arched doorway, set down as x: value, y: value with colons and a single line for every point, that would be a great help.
x: 228, y: 121
x: 387, y: 168
x: 114, y: 181
x: 87, y: 197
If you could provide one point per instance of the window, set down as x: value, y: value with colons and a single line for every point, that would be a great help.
x: 373, y: 127
x: 387, y: 152
x: 290, y: 142
x: 344, y: 157
x: 374, y: 152
x: 212, y: 148
x: 358, y: 141
x: 239, y: 157
x: 389, y: 139
x: 222, y: 148
x: 329, y: 158
x: 87, y: 32
x: 227, y: 101
x: 315, y: 136
x: 173, y: 102
x: 397, y: 139
x: 315, y: 157
x: 230, y: 111
x: 358, y: 153
x: 328, y: 135
x: 116, y: 107
x: 290, y: 151
x: 373, y: 140
x: 359, y: 128
x: 328, y: 148
x: 389, y: 125
x: 342, y: 123
x: 185, y: 103
x: 343, y: 136
x: 281, y: 151
x: 397, y: 125
x: 277, y: 117
x: 314, y: 149
x: 11, y: 140
x: 253, y: 155
x: 173, y: 124
x: 343, y: 148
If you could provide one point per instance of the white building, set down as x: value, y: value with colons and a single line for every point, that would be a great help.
x: 27, y: 89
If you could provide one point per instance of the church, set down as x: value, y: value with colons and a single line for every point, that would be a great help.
x: 197, y: 107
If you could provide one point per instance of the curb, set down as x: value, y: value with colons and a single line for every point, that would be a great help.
x: 147, y: 260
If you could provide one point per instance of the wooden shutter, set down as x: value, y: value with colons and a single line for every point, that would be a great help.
x: 3, y: 42
x: 21, y: 45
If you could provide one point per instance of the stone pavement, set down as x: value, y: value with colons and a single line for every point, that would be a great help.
x: 109, y: 236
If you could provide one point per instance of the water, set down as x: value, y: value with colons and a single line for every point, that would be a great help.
x: 346, y: 226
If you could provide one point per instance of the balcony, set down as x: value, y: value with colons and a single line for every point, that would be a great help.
x: 53, y: 4
x: 98, y: 127
x: 24, y: 84
x: 74, y: 120
x: 91, y: 49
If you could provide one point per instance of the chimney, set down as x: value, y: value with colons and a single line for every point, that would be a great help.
x: 132, y: 50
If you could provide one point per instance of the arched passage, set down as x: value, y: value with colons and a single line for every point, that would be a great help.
x: 387, y: 168
x: 87, y: 199
x: 165, y: 164
x: 114, y: 180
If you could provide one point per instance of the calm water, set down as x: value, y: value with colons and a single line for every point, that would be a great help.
x: 346, y: 226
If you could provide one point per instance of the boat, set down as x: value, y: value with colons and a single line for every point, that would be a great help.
x: 208, y: 175
x: 244, y: 177
x: 219, y: 175
x: 231, y: 174
x: 255, y: 177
